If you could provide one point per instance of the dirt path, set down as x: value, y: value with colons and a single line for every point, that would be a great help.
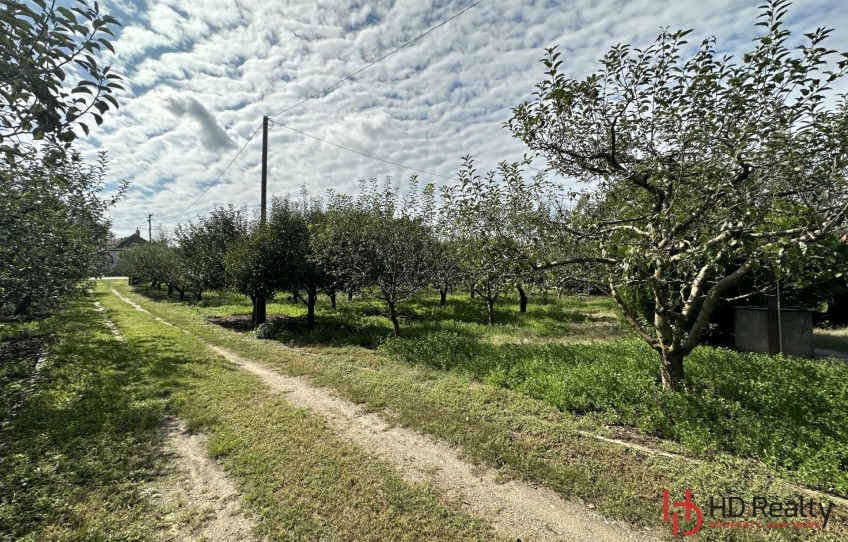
x: 196, y: 500
x: 515, y: 509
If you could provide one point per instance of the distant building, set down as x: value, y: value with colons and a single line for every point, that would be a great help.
x: 116, y: 246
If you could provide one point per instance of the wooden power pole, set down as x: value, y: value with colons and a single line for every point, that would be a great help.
x: 149, y: 228
x: 259, y: 305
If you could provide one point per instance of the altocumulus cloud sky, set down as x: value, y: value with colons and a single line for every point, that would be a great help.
x: 201, y: 74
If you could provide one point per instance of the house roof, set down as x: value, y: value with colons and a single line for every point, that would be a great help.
x: 127, y: 242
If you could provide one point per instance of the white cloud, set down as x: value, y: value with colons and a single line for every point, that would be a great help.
x: 223, y: 65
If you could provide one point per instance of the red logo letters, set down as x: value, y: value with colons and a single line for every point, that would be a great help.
x: 689, y: 506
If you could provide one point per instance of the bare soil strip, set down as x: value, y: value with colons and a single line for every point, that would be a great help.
x: 515, y: 509
x: 108, y: 321
x: 198, y: 501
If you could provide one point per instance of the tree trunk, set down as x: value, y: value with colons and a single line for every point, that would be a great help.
x: 259, y: 310
x: 544, y: 296
x: 182, y: 294
x: 295, y: 295
x: 394, y: 318
x: 332, y: 299
x: 350, y: 295
x: 443, y: 296
x: 671, y: 370
x: 311, y: 298
x: 490, y: 311
x: 170, y: 289
x: 199, y: 295
x: 522, y: 299
x: 23, y: 305
x: 837, y: 310
x: 472, y: 292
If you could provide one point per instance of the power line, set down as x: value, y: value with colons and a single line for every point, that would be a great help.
x: 382, y: 58
x: 362, y: 153
x: 218, y: 178
x: 324, y: 91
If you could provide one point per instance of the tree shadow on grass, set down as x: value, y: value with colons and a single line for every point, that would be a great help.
x: 550, y: 316
x: 87, y: 430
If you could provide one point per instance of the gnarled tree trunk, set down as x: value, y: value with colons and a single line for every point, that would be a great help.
x: 394, y: 318
x: 671, y: 370
x: 522, y: 299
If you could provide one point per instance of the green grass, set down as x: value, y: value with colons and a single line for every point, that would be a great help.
x: 524, y: 437
x: 303, y: 481
x: 81, y: 450
x: 362, y: 323
x: 80, y: 441
x: 831, y: 338
x: 787, y: 412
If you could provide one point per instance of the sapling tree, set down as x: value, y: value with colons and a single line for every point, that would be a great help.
x: 255, y: 264
x: 696, y: 171
x: 494, y: 222
x: 301, y: 270
x: 204, y: 244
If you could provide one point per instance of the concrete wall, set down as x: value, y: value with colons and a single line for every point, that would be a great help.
x: 751, y: 330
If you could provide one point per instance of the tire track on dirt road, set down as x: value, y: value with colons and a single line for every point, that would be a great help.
x: 196, y: 499
x: 514, y: 508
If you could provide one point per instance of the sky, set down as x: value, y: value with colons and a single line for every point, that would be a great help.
x: 200, y: 75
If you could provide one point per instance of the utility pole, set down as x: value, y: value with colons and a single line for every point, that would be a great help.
x: 264, y: 199
x: 259, y: 306
x: 149, y: 228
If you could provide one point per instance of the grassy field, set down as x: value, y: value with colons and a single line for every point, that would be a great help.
x: 81, y: 444
x: 520, y: 396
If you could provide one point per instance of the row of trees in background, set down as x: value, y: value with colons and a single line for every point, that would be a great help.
x: 382, y: 244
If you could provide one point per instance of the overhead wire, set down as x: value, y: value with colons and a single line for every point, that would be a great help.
x: 218, y: 178
x: 320, y: 93
x: 362, y: 153
x: 382, y: 58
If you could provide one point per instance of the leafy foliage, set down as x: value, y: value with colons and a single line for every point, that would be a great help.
x: 493, y: 224
x: 160, y: 263
x: 255, y: 263
x: 53, y: 223
x: 380, y: 243
x: 697, y: 171
x: 43, y: 49
x: 292, y: 224
x: 204, y: 245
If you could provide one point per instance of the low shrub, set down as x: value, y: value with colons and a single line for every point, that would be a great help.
x: 265, y: 330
